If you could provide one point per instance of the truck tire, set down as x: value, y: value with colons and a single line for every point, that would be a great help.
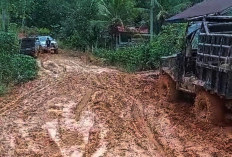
x: 208, y: 108
x: 167, y: 88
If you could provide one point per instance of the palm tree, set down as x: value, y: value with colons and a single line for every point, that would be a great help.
x: 165, y: 8
x: 116, y: 12
x: 113, y: 13
x: 159, y: 11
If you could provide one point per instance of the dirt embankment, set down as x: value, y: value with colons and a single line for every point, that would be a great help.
x: 77, y: 109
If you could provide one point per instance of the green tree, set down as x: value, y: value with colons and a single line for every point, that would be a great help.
x: 166, y: 8
x: 76, y: 29
x: 114, y: 11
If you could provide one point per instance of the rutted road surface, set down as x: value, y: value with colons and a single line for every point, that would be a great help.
x: 76, y: 109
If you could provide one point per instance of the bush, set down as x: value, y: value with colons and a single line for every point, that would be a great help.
x: 5, y: 68
x: 24, y: 68
x: 9, y: 43
x: 3, y: 89
x: 168, y: 42
x: 44, y: 31
x: 76, y: 41
x: 146, y: 57
x: 17, y: 68
x: 30, y: 31
x: 14, y: 68
x: 131, y: 59
x: 34, y: 31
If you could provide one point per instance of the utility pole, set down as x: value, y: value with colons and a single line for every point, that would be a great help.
x: 152, y: 19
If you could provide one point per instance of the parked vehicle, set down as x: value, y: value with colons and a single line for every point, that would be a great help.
x: 29, y: 46
x: 204, y: 67
x: 43, y: 47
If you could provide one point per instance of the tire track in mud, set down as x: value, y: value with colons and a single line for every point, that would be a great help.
x: 80, y: 107
x: 114, y: 102
x: 141, y: 124
x: 138, y: 124
x: 137, y: 113
x: 13, y: 105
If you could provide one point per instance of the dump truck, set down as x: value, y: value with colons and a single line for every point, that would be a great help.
x: 204, y: 67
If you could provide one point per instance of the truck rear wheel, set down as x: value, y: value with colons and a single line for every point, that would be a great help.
x: 168, y: 88
x: 208, y: 107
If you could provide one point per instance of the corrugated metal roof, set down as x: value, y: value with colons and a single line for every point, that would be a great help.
x: 205, y: 8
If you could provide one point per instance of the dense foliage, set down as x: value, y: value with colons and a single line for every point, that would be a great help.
x: 14, y: 68
x: 147, y: 56
x: 82, y: 23
x: 8, y: 42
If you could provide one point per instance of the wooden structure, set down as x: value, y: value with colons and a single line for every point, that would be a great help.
x: 130, y: 36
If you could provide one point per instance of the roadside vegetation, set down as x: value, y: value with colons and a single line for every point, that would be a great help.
x: 86, y: 25
x: 146, y: 56
x: 14, y: 67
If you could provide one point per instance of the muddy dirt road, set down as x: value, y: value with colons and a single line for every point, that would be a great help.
x: 76, y: 109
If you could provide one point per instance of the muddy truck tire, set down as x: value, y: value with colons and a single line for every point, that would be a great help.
x: 208, y: 108
x: 167, y: 88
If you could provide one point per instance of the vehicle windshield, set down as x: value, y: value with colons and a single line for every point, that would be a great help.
x: 44, y: 38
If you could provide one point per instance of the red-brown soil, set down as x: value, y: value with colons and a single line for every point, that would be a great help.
x: 77, y: 109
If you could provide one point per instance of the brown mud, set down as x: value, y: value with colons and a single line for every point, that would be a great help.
x: 76, y: 108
